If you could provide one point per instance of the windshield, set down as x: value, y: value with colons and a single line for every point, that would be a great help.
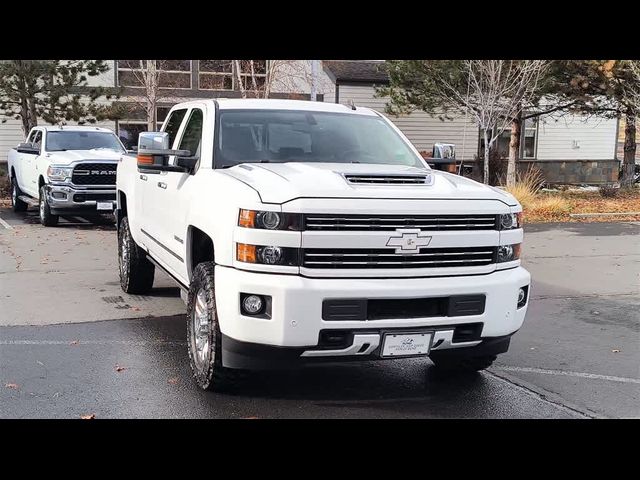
x: 79, y: 140
x: 276, y: 136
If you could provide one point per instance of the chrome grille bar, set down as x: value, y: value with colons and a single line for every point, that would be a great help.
x: 392, y: 222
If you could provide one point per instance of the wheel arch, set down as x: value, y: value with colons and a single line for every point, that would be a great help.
x: 200, y: 248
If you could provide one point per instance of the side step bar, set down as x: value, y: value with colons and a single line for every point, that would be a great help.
x: 32, y: 202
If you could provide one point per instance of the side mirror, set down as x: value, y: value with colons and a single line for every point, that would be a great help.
x: 28, y: 148
x: 154, y: 152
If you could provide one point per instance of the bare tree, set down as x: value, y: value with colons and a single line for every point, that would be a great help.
x: 497, y: 90
x: 154, y: 81
x: 263, y: 78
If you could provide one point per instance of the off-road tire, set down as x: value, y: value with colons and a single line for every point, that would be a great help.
x: 17, y: 204
x: 462, y: 364
x: 47, y: 219
x: 211, y: 375
x: 136, y: 271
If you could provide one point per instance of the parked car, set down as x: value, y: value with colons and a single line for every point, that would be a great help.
x: 304, y: 232
x: 68, y: 170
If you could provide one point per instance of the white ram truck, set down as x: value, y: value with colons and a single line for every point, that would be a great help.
x: 304, y: 232
x: 69, y: 170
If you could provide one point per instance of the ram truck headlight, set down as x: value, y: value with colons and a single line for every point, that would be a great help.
x: 59, y: 174
x: 266, y: 254
x: 268, y: 220
x: 509, y: 221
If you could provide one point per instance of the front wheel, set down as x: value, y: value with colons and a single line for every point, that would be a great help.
x: 17, y: 204
x: 47, y: 219
x: 204, y: 338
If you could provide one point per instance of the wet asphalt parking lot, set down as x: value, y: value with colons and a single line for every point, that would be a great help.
x: 73, y: 344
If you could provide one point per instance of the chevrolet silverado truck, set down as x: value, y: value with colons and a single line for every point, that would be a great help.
x: 303, y: 232
x: 65, y: 170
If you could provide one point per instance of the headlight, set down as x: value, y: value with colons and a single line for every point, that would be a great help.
x: 509, y: 253
x: 59, y: 173
x: 509, y: 221
x: 267, y: 254
x: 269, y: 220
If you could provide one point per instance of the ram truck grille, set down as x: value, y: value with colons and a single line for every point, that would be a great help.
x: 94, y: 174
x: 393, y: 222
x: 387, y: 258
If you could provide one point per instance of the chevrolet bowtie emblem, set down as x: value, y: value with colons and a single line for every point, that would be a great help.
x: 409, y: 241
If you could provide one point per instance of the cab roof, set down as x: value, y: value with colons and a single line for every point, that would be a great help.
x: 73, y: 128
x: 278, y: 104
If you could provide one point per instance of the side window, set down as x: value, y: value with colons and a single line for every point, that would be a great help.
x: 173, y: 125
x: 192, y: 135
x: 37, y: 141
x: 32, y: 136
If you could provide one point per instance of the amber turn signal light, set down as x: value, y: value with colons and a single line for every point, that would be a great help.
x: 145, y: 159
x: 247, y: 218
x: 246, y: 253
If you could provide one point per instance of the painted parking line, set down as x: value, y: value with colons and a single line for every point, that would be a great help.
x: 543, y: 371
x: 5, y: 224
x: 137, y: 343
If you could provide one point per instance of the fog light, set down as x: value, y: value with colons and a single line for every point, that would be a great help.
x: 522, y: 296
x: 59, y: 195
x: 252, y: 304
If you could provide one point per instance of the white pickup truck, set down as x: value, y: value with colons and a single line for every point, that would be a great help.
x: 304, y: 232
x: 68, y: 170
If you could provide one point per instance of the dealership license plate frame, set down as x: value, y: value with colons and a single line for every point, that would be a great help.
x: 396, y: 337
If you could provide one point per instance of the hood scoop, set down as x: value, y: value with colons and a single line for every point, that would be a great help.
x: 388, y: 179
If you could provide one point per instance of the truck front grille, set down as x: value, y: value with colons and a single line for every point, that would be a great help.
x: 94, y: 174
x: 393, y: 222
x: 388, y: 179
x: 387, y: 258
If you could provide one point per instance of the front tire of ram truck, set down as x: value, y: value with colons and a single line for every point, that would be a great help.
x: 136, y: 271
x: 203, y: 333
x: 47, y: 219
x: 17, y: 204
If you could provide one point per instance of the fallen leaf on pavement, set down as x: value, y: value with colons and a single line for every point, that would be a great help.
x: 615, y: 350
x: 13, y: 386
x: 135, y: 309
x: 119, y: 368
x: 90, y: 416
x: 74, y: 342
x: 249, y: 418
x: 173, y: 380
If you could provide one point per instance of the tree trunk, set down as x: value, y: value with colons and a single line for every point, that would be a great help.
x: 514, y: 149
x: 487, y: 147
x: 28, y: 114
x: 629, y: 161
x: 243, y: 92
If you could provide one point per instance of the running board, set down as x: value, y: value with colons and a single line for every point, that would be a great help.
x: 32, y: 202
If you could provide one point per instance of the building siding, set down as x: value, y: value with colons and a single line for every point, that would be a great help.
x: 420, y: 128
x: 577, y: 138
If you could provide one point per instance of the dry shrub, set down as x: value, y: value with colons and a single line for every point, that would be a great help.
x: 528, y: 183
x: 550, y: 206
x: 609, y: 191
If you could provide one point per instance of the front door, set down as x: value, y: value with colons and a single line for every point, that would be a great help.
x: 171, y: 203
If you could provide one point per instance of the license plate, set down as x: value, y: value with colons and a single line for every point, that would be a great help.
x: 104, y: 206
x: 402, y: 344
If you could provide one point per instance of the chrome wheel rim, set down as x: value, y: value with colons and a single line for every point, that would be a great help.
x: 124, y: 254
x: 200, y: 324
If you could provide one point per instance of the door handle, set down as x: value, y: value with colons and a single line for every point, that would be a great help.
x: 162, y: 185
x: 143, y: 177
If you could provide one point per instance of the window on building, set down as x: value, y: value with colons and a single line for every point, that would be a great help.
x: 528, y: 140
x: 222, y: 74
x: 171, y: 73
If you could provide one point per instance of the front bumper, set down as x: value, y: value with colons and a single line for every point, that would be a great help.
x: 296, y: 323
x: 68, y: 199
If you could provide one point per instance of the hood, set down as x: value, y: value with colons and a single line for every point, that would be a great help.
x: 69, y: 156
x: 282, y: 182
